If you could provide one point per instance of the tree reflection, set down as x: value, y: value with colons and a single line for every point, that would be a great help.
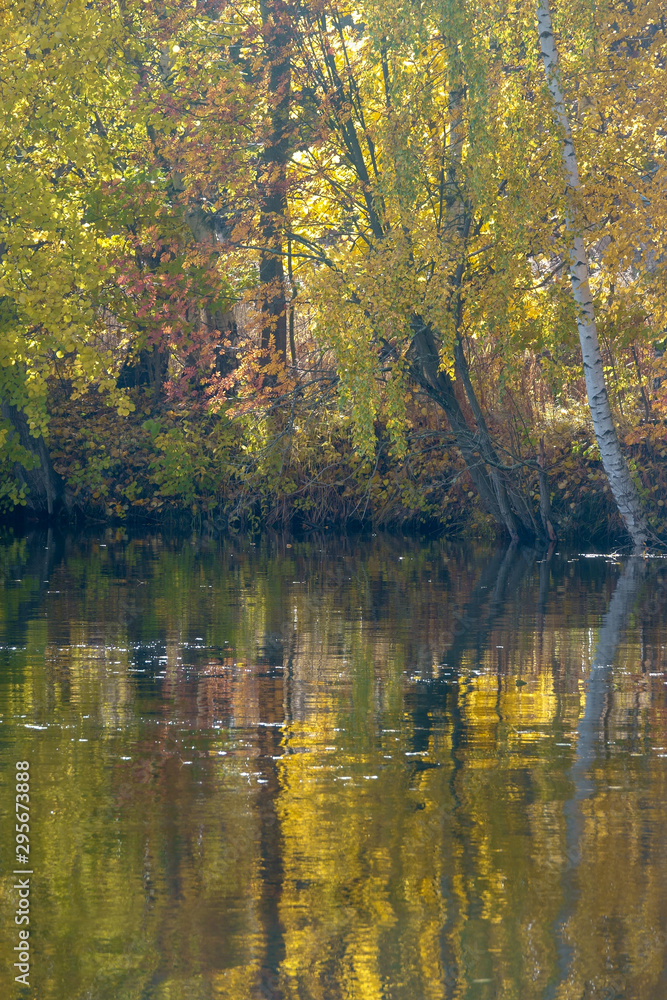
x: 311, y: 772
x: 591, y: 735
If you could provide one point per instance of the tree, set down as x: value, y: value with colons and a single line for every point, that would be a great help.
x: 63, y: 73
x: 105, y: 266
x: 272, y: 175
x: 438, y: 230
x: 622, y: 486
x: 400, y: 167
x: 396, y: 191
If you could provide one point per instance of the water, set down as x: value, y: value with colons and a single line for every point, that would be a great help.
x: 342, y: 769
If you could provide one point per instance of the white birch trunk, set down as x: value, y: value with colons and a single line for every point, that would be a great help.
x: 615, y: 466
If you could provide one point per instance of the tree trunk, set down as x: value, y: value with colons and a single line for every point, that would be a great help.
x: 500, y: 477
x: 499, y: 494
x: 273, y: 178
x: 45, y: 491
x: 545, y: 501
x: 148, y: 369
x: 517, y: 516
x: 424, y: 361
x: 613, y: 460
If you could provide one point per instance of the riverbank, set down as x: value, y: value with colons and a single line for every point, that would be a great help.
x: 300, y: 471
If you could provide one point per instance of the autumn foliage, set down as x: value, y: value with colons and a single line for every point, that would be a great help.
x: 308, y: 262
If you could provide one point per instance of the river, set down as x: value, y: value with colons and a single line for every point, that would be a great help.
x: 335, y: 768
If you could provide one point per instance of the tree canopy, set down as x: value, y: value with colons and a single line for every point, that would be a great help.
x: 265, y: 220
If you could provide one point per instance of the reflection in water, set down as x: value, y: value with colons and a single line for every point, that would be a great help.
x: 590, y: 733
x: 354, y: 769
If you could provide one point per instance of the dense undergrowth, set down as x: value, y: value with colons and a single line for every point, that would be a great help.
x: 297, y: 468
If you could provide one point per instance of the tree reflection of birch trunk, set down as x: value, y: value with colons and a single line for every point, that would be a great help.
x: 590, y: 729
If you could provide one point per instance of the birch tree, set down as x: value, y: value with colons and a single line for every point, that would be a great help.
x: 613, y: 460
